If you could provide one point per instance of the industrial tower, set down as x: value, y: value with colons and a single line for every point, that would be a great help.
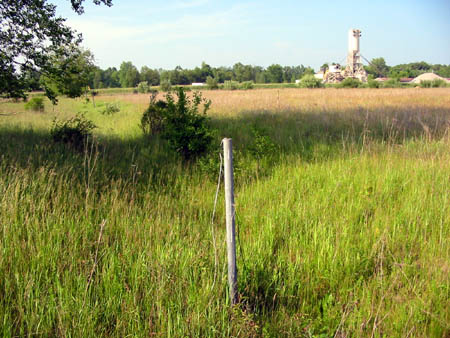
x: 354, y: 68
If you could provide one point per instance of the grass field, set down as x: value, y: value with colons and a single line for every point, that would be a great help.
x: 343, y: 222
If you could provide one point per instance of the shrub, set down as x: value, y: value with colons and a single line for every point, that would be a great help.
x: 143, y: 87
x: 35, y: 104
x: 373, y: 84
x: 180, y: 122
x: 433, y: 83
x: 185, y: 128
x: 165, y: 86
x: 262, y: 144
x: 212, y: 83
x: 350, y: 82
x: 392, y: 83
x: 152, y: 121
x: 230, y: 85
x: 247, y: 85
x: 111, y: 108
x: 73, y: 132
x: 310, y: 81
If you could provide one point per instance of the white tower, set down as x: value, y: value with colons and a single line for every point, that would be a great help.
x: 354, y: 65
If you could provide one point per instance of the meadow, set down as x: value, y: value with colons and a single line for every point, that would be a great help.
x: 342, y: 214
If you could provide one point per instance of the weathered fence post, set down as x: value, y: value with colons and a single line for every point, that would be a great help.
x: 229, y: 207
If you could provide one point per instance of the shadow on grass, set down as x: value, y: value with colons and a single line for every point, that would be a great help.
x: 260, y: 141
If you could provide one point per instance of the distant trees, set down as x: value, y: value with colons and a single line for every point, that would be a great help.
x: 275, y: 73
x: 128, y: 75
x: 150, y: 75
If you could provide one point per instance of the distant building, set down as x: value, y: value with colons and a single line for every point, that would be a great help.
x: 197, y: 84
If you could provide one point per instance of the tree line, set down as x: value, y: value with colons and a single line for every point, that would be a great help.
x: 379, y: 68
x: 129, y: 76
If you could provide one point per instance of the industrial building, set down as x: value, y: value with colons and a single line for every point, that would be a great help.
x: 354, y: 68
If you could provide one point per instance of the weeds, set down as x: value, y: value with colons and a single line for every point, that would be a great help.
x: 343, y: 227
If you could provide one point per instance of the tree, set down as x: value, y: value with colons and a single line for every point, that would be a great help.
x: 128, y: 75
x: 73, y: 73
x: 150, y: 75
x: 378, y: 68
x: 31, y: 35
x: 275, y: 73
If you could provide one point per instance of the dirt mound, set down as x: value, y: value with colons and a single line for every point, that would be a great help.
x: 428, y: 77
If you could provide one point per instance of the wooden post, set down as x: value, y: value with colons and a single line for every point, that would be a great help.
x: 229, y: 207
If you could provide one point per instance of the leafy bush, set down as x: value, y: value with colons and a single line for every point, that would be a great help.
x: 437, y: 83
x: 262, y: 144
x: 212, y: 83
x: 143, y: 87
x: 111, y: 108
x: 310, y: 81
x: 152, y: 121
x: 230, y: 85
x: 185, y: 128
x: 74, y: 132
x: 392, y: 83
x: 165, y: 86
x: 350, y: 82
x: 35, y: 104
x: 247, y: 85
x: 373, y: 84
x: 180, y: 122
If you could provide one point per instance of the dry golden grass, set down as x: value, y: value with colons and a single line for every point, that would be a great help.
x: 319, y: 100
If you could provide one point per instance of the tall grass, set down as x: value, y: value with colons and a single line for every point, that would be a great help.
x: 343, y: 230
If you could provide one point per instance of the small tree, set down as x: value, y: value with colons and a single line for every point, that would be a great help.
x: 180, y: 122
x: 166, y: 86
x: 212, y: 83
x: 310, y: 81
x: 350, y: 82
x: 186, y: 129
x: 143, y: 87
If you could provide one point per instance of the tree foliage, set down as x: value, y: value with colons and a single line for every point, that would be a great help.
x: 378, y: 68
x: 72, y: 75
x: 31, y: 36
x: 128, y: 75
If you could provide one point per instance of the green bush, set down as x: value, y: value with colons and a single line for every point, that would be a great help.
x: 310, y: 81
x: 185, y: 128
x: 350, y: 82
x: 437, y: 83
x: 73, y: 132
x: 166, y: 86
x: 111, y: 108
x: 143, y: 87
x: 35, y: 104
x: 247, y: 85
x: 152, y: 121
x: 180, y: 122
x: 212, y: 83
x: 373, y: 84
x: 392, y: 83
x: 262, y: 144
x: 230, y: 85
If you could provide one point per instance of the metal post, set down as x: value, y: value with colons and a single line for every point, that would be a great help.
x: 229, y: 207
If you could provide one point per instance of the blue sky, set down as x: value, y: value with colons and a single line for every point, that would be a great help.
x: 164, y: 34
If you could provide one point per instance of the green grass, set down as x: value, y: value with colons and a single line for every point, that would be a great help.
x: 343, y: 229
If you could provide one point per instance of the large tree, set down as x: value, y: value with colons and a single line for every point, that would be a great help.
x: 378, y: 68
x: 31, y: 37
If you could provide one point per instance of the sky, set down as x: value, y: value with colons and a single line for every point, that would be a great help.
x: 166, y: 34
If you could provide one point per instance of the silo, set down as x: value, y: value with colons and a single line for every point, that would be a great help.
x: 353, y: 41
